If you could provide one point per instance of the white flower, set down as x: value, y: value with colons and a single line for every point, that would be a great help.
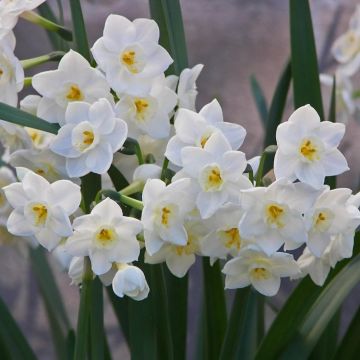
x: 187, y: 90
x: 263, y: 272
x: 130, y: 55
x: 13, y: 137
x: 10, y: 10
x: 42, y: 162
x: 6, y: 178
x: 163, y: 216
x: 331, y: 215
x: 106, y: 236
x: 307, y: 148
x: 90, y: 137
x: 147, y: 171
x: 130, y: 281
x: 217, y: 173
x: 194, y: 129
x: 11, y: 72
x: 41, y: 209
x: 178, y: 258
x: 224, y: 238
x: 273, y: 215
x: 148, y: 114
x: 74, y: 80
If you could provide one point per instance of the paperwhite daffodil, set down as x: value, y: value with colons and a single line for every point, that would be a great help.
x: 332, y: 214
x: 13, y: 137
x: 256, y: 268
x: 11, y: 72
x: 178, y: 258
x: 130, y: 55
x: 224, y: 238
x: 307, y: 148
x: 216, y: 172
x: 273, y: 215
x: 195, y: 129
x: 148, y: 114
x: 90, y: 137
x: 6, y: 178
x: 42, y: 209
x: 130, y: 281
x: 165, y: 209
x: 10, y: 10
x: 42, y: 162
x: 74, y: 80
x: 106, y: 236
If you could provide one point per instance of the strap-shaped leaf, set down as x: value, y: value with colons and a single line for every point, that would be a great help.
x: 305, y: 73
x: 12, y: 339
x: 260, y: 100
x: 13, y: 115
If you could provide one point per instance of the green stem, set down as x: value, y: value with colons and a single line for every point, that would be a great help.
x: 27, y: 81
x: 53, y: 56
x: 164, y: 168
x: 37, y: 19
x: 260, y: 171
x: 138, y: 153
x: 136, y: 204
x: 133, y: 188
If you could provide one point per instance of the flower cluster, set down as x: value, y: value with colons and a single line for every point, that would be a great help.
x: 199, y: 197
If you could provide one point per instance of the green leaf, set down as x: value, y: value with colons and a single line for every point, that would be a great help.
x: 260, y: 100
x: 161, y: 311
x: 59, y: 322
x: 349, y: 347
x: 118, y: 179
x: 90, y: 186
x: 80, y: 35
x: 19, y: 117
x: 120, y: 307
x: 97, y: 331
x: 305, y: 73
x: 324, y: 308
x: 215, y: 307
x: 70, y: 344
x: 11, y: 337
x: 167, y: 13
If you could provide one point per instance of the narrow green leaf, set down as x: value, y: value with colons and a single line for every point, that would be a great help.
x: 19, y: 117
x: 324, y: 308
x: 177, y: 289
x: 70, y: 344
x: 90, y: 186
x: 80, y: 35
x: 305, y: 73
x: 120, y: 307
x: 349, y: 347
x: 167, y: 13
x: 260, y: 100
x: 215, y: 307
x: 11, y: 337
x: 161, y: 311
x: 97, y: 331
x: 236, y: 327
x: 118, y: 179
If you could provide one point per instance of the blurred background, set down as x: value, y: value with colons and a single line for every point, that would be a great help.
x: 234, y: 39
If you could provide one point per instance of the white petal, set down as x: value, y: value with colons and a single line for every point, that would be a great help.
x: 99, y: 159
x: 99, y: 262
x: 179, y: 265
x: 268, y: 287
x: 65, y: 194
x: 18, y: 225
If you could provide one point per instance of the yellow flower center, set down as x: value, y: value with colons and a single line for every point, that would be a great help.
x: 165, y: 214
x: 309, y: 150
x: 141, y: 105
x: 232, y: 237
x: 87, y: 140
x: 190, y: 248
x: 322, y: 220
x: 204, y: 140
x: 40, y: 171
x: 74, y: 94
x: 260, y: 273
x: 105, y: 237
x: 274, y: 214
x: 40, y: 213
x: 128, y: 58
x: 211, y: 178
x: 36, y: 136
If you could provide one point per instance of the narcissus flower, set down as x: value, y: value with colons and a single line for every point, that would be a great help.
x: 256, y: 268
x: 165, y: 209
x: 216, y: 172
x: 273, y: 215
x: 75, y: 80
x: 42, y: 209
x: 148, y: 114
x: 13, y: 137
x: 90, y: 137
x: 129, y: 280
x: 307, y: 148
x: 130, y: 55
x: 11, y: 71
x: 106, y: 236
x: 194, y: 129
x: 6, y: 178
